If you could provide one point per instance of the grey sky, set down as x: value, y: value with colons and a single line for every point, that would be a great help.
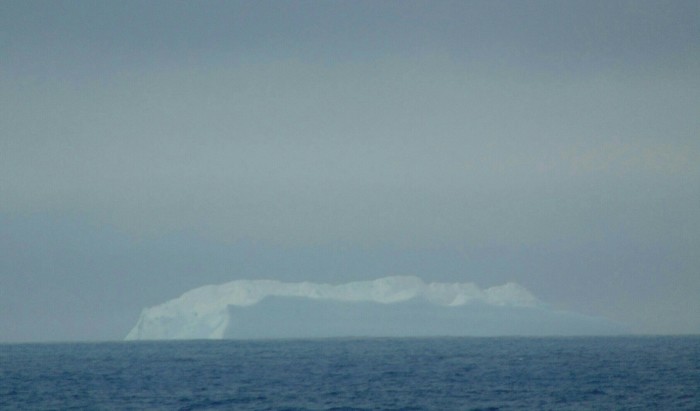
x: 150, y: 147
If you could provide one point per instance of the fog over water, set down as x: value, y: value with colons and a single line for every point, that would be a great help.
x: 148, y: 148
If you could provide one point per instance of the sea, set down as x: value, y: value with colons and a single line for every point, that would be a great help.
x: 577, y: 373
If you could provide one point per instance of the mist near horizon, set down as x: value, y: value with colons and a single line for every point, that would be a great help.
x: 149, y: 148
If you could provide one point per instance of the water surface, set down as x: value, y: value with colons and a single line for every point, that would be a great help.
x: 364, y: 374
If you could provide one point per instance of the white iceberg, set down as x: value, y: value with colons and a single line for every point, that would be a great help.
x: 391, y: 306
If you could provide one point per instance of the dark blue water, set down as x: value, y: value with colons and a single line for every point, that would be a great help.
x: 368, y: 374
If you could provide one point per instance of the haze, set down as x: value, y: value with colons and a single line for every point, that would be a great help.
x: 148, y: 148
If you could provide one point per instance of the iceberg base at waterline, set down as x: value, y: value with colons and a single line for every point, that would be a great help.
x: 294, y: 317
x: 387, y: 307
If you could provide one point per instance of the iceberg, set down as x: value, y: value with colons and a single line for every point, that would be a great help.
x: 391, y: 306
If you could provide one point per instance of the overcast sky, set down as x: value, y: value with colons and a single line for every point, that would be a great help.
x: 147, y: 148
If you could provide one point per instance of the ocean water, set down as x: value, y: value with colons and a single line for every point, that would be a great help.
x: 602, y: 373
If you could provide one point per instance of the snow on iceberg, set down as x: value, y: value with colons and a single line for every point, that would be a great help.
x: 401, y: 306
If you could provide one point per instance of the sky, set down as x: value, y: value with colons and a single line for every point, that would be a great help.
x: 151, y: 147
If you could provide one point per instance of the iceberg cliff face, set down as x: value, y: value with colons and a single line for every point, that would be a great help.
x: 390, y: 306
